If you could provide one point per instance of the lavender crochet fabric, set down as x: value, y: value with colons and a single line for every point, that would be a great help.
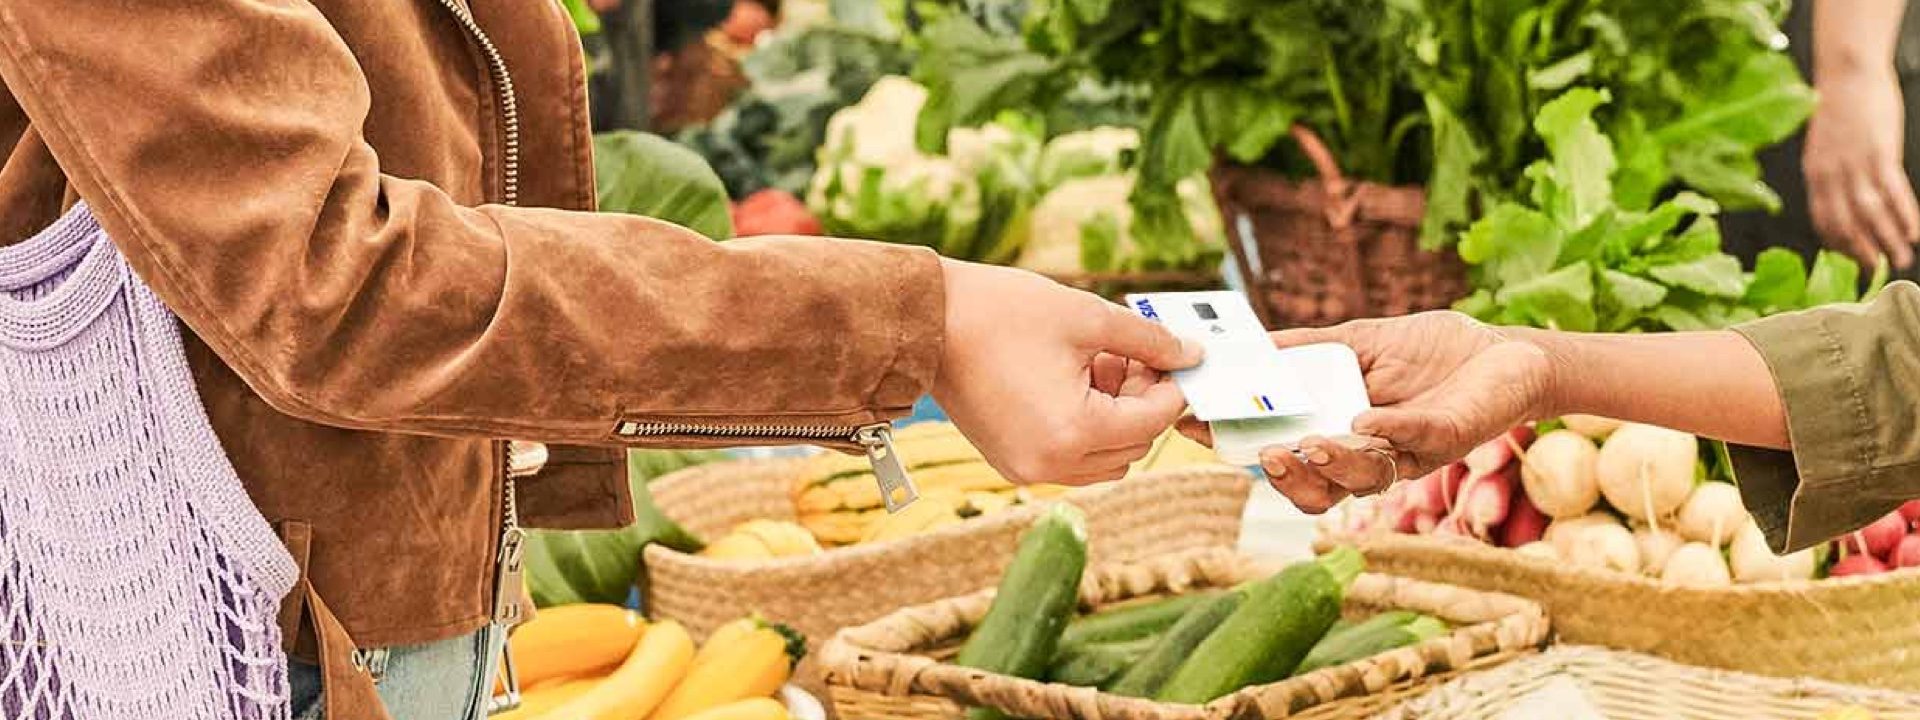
x: 137, y: 580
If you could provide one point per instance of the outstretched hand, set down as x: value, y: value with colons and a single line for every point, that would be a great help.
x: 1053, y: 384
x: 1440, y: 383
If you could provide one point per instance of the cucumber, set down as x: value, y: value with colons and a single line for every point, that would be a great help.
x: 1152, y: 671
x: 1266, y: 637
x: 1098, y: 664
x: 1375, y: 635
x: 1131, y: 622
x: 1037, y: 595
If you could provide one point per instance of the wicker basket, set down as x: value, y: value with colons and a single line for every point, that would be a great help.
x: 1632, y: 686
x: 818, y: 595
x: 1858, y: 630
x: 1333, y: 250
x: 889, y: 668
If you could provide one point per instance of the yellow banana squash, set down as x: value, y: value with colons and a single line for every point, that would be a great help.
x: 657, y: 664
x: 534, y: 703
x: 570, y: 641
x: 754, y: 709
x: 744, y: 659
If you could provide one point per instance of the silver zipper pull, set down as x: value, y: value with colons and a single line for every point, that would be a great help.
x: 507, y: 577
x: 896, y: 489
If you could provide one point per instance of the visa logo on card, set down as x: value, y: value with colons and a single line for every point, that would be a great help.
x: 1243, y: 375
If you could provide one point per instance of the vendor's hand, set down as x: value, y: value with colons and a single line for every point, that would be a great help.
x: 1054, y: 385
x: 1441, y: 384
x: 1857, y: 189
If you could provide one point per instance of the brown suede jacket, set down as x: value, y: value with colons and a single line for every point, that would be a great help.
x: 324, y: 191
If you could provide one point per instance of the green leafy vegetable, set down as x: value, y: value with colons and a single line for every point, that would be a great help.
x: 642, y: 174
x: 1569, y: 256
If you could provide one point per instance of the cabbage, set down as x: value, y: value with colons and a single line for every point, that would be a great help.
x: 873, y: 183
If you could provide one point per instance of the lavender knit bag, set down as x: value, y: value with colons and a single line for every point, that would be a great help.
x: 137, y: 579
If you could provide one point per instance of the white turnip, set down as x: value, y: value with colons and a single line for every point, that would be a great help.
x: 1877, y: 538
x: 1605, y: 546
x: 1540, y: 550
x: 1592, y: 426
x: 1712, y: 514
x: 1907, y: 553
x: 1752, y: 561
x: 1525, y: 523
x: 1563, y: 533
x: 1646, y: 471
x: 1656, y: 545
x: 1558, y: 473
x: 1696, y: 564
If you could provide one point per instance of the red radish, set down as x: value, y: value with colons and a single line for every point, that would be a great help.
x: 1486, y: 500
x: 1525, y: 523
x: 1427, y: 494
x: 1495, y: 454
x: 1880, y: 536
x: 1907, y: 553
x: 1425, y: 524
x: 1857, y: 565
x: 773, y: 212
x: 1451, y: 477
x: 1911, y: 511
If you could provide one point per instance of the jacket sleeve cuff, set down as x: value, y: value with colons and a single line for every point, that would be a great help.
x: 920, y: 312
x: 1825, y: 486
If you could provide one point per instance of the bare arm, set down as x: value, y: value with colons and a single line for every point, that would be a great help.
x: 1859, y: 198
x: 1708, y: 383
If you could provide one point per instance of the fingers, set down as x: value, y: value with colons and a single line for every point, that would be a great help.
x: 1358, y: 465
x: 1835, y: 218
x: 1196, y: 430
x: 1874, y: 212
x: 1109, y: 372
x: 1902, y: 210
x: 1308, y: 490
x: 1118, y: 421
x: 1296, y: 337
x: 1109, y: 465
x: 1121, y: 332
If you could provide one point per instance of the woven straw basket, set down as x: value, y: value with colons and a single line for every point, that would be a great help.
x: 1331, y: 250
x: 1137, y: 517
x: 889, y: 668
x: 1859, y: 630
x: 1632, y: 686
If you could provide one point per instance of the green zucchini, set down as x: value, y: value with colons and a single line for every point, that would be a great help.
x: 1098, y: 664
x: 1037, y: 595
x: 1152, y: 671
x: 1266, y: 637
x: 1131, y: 622
x: 1375, y: 635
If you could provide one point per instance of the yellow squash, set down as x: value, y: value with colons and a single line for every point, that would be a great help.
x: 534, y: 703
x: 570, y: 641
x: 754, y: 709
x: 785, y: 539
x: 657, y: 664
x: 923, y: 515
x: 738, y: 546
x: 744, y: 659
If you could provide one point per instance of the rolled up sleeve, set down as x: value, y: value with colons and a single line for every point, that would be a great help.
x: 1849, y: 378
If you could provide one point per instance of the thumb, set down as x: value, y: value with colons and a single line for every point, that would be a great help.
x: 1425, y: 433
x: 1123, y: 333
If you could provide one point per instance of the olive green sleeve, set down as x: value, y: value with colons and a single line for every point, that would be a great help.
x: 1849, y: 376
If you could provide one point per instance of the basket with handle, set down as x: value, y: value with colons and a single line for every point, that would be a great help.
x: 1633, y: 686
x: 892, y: 668
x: 1328, y: 250
x: 1136, y: 517
x: 1858, y: 630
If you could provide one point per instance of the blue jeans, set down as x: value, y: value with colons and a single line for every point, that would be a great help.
x: 446, y: 680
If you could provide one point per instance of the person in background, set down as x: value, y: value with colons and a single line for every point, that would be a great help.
x: 1819, y: 406
x: 1845, y: 181
x: 374, y: 221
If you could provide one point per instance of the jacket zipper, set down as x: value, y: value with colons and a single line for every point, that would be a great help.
x: 896, y: 489
x: 508, y: 568
x: 503, y: 94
